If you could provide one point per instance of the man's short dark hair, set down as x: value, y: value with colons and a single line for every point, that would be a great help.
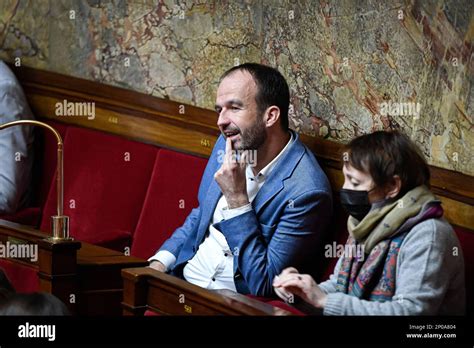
x: 37, y: 303
x: 384, y: 154
x: 272, y: 88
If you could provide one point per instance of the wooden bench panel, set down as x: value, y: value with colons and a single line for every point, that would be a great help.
x: 147, y: 289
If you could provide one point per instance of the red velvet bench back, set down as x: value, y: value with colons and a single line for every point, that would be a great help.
x: 171, y: 196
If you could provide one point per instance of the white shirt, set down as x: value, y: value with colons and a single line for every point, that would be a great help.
x: 212, y: 267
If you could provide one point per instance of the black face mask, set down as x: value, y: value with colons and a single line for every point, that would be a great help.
x: 356, y: 203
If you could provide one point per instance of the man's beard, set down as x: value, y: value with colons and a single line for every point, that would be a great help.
x: 253, y: 137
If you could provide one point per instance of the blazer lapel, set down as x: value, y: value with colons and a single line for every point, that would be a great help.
x: 283, y: 169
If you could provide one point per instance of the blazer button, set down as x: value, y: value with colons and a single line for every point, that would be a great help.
x: 194, y: 249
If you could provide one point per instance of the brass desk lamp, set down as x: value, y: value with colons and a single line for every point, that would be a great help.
x: 59, y: 222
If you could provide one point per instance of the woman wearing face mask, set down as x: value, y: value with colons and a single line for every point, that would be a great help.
x: 412, y: 262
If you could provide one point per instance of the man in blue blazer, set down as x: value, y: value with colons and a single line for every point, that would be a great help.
x: 264, y: 202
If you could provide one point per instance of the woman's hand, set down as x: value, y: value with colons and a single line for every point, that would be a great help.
x: 290, y: 283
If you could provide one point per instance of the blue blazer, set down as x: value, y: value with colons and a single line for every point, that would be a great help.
x: 285, y: 227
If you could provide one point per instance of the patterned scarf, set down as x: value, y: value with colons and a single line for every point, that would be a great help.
x: 373, y: 278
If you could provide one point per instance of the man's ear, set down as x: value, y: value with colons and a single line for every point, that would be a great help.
x: 393, y: 187
x: 272, y: 116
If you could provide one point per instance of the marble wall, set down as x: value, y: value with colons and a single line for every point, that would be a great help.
x: 352, y: 66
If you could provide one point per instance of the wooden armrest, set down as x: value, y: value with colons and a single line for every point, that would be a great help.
x: 146, y: 288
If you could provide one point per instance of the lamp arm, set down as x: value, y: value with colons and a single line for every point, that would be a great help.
x: 60, y: 222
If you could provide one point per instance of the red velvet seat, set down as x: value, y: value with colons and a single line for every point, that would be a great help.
x: 105, y: 181
x: 466, y: 238
x: 149, y: 313
x: 22, y: 277
x: 171, y: 195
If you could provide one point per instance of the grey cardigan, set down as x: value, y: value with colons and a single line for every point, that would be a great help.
x: 429, y: 277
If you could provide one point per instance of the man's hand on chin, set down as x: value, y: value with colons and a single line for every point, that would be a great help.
x: 231, y: 178
x: 155, y: 264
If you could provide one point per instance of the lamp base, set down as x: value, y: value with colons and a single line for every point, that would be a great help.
x: 60, y: 228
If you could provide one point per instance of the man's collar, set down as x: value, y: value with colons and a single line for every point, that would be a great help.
x: 269, y: 167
